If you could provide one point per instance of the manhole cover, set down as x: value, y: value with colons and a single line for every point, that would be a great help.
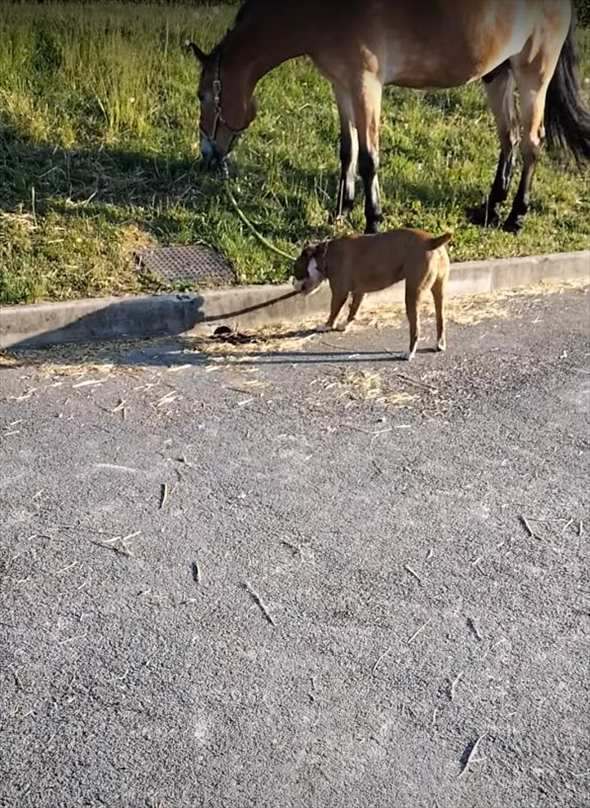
x: 195, y: 264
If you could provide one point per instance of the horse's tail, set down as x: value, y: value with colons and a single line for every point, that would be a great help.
x: 567, y: 119
x: 440, y: 241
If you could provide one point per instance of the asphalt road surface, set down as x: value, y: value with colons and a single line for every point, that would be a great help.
x: 311, y: 576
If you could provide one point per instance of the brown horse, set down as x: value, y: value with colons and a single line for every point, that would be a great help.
x: 362, y: 45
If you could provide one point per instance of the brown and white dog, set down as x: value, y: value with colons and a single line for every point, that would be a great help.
x: 355, y: 265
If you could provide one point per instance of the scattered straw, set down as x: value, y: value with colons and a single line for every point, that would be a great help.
x: 267, y: 340
x: 471, y: 755
x: 163, y: 495
x: 196, y: 569
x: 115, y: 467
x: 528, y: 528
x: 259, y: 602
x: 419, y: 631
x: 454, y: 684
x: 88, y: 383
x: 473, y: 627
x: 413, y: 573
x: 80, y: 360
x: 381, y: 658
x: 169, y: 398
x: 370, y: 385
x: 120, y: 549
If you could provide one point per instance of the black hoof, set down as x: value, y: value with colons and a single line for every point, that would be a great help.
x: 371, y: 228
x: 513, y: 224
x: 338, y: 217
x: 482, y: 216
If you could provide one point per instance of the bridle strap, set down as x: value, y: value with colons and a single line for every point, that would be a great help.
x: 219, y: 119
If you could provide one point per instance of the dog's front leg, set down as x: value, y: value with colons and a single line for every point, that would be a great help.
x: 356, y: 301
x: 338, y: 300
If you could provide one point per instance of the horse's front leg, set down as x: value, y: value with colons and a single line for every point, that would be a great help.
x: 368, y: 118
x: 349, y: 152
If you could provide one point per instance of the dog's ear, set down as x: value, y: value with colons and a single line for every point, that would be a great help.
x: 310, y: 252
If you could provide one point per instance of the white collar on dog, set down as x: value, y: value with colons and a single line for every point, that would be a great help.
x: 313, y: 271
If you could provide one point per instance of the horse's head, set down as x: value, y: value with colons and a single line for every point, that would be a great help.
x: 227, y: 109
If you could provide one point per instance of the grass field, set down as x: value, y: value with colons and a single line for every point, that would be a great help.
x: 99, y: 154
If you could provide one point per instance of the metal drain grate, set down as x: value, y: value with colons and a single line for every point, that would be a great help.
x: 195, y: 264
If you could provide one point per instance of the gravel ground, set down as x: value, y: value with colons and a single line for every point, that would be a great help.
x: 339, y: 579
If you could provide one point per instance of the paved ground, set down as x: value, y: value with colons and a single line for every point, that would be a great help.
x: 377, y: 516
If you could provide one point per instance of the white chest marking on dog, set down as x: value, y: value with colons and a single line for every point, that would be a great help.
x: 313, y: 271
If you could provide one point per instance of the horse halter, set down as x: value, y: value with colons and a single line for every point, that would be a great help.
x: 219, y: 119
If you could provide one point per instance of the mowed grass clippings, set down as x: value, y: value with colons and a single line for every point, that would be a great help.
x: 107, y: 357
x: 99, y: 155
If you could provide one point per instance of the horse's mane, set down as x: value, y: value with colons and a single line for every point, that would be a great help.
x: 245, y: 9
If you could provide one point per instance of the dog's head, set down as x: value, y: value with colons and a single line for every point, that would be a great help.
x: 308, y: 272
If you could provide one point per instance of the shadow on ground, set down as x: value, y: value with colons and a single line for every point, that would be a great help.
x: 123, y: 184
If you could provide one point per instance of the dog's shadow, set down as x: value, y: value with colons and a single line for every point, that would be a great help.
x: 309, y: 346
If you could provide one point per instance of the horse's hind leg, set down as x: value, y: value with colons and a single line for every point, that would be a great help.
x: 500, y: 93
x: 367, y: 109
x: 349, y: 150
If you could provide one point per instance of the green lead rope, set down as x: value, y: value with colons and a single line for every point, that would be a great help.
x: 251, y: 227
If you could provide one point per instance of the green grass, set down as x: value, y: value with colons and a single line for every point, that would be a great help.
x: 98, y: 153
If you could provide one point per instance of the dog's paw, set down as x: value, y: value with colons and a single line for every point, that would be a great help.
x: 351, y: 325
x: 342, y: 328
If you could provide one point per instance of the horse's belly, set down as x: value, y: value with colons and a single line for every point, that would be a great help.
x: 423, y: 76
x: 468, y: 51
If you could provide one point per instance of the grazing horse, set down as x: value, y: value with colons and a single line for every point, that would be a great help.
x: 362, y: 45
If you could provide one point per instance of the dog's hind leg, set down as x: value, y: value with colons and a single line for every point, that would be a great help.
x: 412, y: 299
x: 438, y: 293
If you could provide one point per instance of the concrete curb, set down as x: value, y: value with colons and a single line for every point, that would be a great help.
x: 44, y: 324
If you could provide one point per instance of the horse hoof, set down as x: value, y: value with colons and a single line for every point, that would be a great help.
x: 340, y: 216
x: 513, y: 225
x: 482, y: 216
x: 372, y: 228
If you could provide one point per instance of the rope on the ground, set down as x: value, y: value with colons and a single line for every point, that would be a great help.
x: 251, y: 227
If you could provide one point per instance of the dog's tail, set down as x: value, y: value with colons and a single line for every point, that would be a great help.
x: 440, y: 241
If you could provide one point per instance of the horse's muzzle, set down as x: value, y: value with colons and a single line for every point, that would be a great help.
x: 212, y: 157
